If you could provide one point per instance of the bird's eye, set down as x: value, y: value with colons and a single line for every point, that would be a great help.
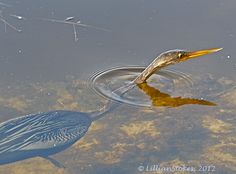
x: 179, y: 55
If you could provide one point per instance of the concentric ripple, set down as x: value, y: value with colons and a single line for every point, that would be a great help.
x: 111, y: 83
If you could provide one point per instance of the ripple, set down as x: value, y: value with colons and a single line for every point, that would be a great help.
x: 111, y: 83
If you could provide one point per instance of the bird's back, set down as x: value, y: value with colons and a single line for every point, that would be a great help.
x: 41, y: 134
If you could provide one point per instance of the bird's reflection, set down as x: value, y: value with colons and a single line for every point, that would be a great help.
x: 159, y: 98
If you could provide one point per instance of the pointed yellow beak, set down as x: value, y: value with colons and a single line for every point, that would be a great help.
x: 190, y: 55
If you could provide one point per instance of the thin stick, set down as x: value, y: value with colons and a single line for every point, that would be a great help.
x: 11, y: 26
x: 75, y: 23
x: 5, y: 27
x: 17, y: 17
x: 75, y: 33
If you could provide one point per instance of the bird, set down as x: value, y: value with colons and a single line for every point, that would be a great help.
x: 46, y: 133
x: 41, y: 134
x: 170, y: 58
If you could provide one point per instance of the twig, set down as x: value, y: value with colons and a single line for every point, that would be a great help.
x: 75, y: 33
x: 5, y: 27
x: 11, y: 26
x: 75, y: 23
x: 17, y: 17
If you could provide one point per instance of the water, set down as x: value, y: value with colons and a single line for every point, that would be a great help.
x: 42, y: 68
x: 110, y: 84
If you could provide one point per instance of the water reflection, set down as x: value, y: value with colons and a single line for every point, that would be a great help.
x: 159, y: 98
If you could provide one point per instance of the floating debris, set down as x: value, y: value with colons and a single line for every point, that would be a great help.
x: 78, y: 23
x: 69, y: 21
x: 17, y: 17
x: 8, y: 24
x: 75, y: 33
x: 69, y: 18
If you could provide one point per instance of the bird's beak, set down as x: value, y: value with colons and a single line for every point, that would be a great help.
x: 194, y: 54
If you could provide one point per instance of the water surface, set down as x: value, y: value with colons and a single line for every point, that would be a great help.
x: 42, y: 68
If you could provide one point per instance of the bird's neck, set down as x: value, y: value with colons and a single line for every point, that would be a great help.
x: 147, y: 72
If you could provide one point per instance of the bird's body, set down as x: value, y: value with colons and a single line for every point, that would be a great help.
x: 41, y: 134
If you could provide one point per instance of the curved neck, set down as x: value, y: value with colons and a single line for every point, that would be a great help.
x: 147, y: 72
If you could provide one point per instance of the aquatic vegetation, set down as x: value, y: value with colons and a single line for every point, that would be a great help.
x: 222, y: 152
x: 33, y: 166
x: 216, y: 126
x: 230, y: 97
x: 114, y: 155
x: 174, y: 163
x: 84, y: 145
x: 140, y: 128
x: 218, y: 155
x: 186, y: 135
x: 17, y: 103
x: 148, y: 133
x: 65, y: 100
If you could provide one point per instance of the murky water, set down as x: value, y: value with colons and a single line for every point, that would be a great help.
x: 45, y: 67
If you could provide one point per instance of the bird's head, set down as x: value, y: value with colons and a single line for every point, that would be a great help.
x: 176, y: 56
x: 169, y: 58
